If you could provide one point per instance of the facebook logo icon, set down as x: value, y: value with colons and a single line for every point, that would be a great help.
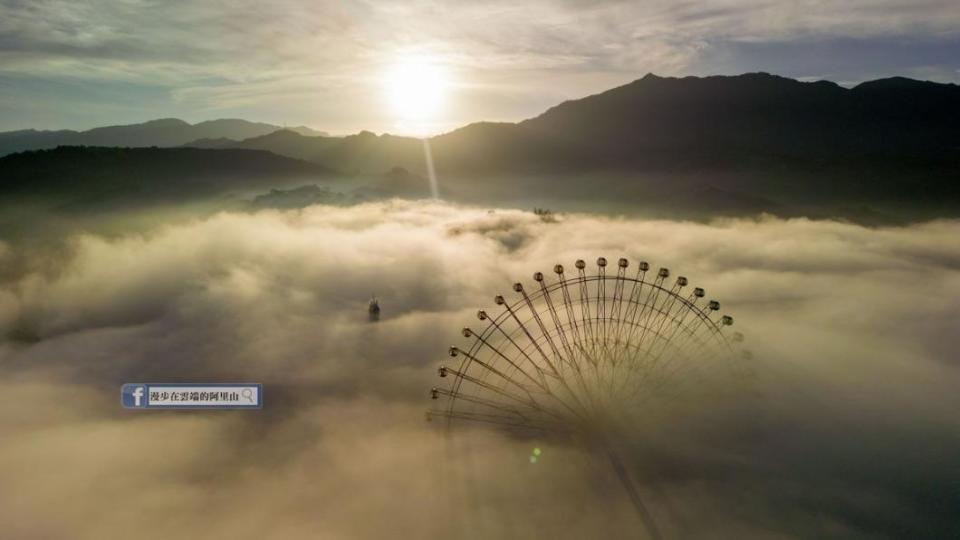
x: 192, y: 395
x: 133, y: 396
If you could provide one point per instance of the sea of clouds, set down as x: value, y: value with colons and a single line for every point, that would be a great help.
x: 848, y: 428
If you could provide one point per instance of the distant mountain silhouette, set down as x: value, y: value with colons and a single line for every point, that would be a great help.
x: 219, y: 142
x: 363, y: 153
x: 750, y: 138
x: 654, y: 123
x: 722, y: 121
x: 163, y: 132
x: 689, y: 146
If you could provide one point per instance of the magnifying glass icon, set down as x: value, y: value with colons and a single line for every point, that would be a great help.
x: 247, y: 394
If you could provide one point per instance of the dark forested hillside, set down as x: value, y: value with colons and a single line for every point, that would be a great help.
x: 96, y: 174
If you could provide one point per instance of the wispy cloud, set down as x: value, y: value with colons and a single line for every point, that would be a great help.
x: 512, y: 60
x: 848, y: 430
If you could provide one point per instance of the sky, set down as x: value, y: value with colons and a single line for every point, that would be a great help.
x: 79, y: 64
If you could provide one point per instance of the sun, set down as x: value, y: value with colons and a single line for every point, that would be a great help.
x: 416, y: 89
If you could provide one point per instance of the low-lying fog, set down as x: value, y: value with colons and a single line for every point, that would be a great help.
x: 849, y: 429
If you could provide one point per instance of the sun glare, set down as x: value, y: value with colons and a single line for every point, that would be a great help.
x: 416, y: 89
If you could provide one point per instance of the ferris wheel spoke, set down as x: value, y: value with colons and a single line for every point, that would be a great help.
x: 687, y: 306
x: 618, y: 298
x: 568, y: 308
x: 573, y: 350
x: 527, y: 399
x: 706, y: 330
x: 600, y: 303
x: 646, y: 368
x: 559, y: 361
x: 639, y: 313
x: 553, y: 370
x: 555, y: 318
x: 585, y: 307
x: 662, y: 274
x: 486, y: 402
x: 501, y: 420
x: 506, y: 335
x: 541, y: 383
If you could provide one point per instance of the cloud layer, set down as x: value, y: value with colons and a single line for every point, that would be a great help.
x: 847, y: 430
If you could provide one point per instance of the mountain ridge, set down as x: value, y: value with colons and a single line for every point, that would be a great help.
x: 657, y: 121
x: 754, y: 141
x: 164, y: 132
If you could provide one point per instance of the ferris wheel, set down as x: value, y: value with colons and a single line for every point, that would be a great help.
x: 581, y: 354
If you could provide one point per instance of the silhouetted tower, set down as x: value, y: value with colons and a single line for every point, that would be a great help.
x: 374, y: 309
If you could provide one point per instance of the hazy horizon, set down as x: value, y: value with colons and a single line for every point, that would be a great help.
x: 194, y: 121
